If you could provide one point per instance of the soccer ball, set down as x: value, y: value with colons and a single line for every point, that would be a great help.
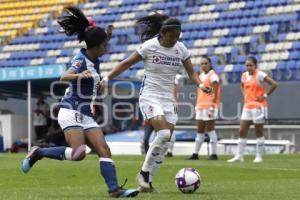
x: 187, y: 180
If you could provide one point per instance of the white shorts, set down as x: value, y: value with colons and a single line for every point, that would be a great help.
x: 151, y: 107
x: 257, y: 115
x: 206, y: 114
x: 68, y: 119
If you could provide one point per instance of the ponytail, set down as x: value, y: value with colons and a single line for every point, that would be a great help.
x: 74, y: 22
x: 152, y: 24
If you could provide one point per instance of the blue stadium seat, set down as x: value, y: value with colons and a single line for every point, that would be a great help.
x: 252, y: 21
x: 291, y: 64
x: 272, y: 34
x: 218, y: 68
x: 233, y: 32
x: 66, y: 52
x: 241, y: 31
x: 246, y: 14
x: 221, y: 7
x: 281, y: 37
x: 254, y: 42
x: 189, y: 43
x: 294, y: 55
x: 250, y: 4
x: 239, y: 68
x: 244, y: 21
x: 241, y: 59
x: 261, y: 48
x: 224, y: 41
x: 215, y: 60
x: 50, y: 60
x: 255, y: 11
x: 296, y: 46
x: 281, y: 65
x: 211, y: 50
x: 234, y: 54
x: 139, y: 65
x: 234, y: 77
x: 208, y: 1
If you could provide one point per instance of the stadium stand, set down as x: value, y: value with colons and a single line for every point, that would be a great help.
x: 227, y: 31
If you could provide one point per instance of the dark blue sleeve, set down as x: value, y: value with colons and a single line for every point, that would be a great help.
x: 78, y: 64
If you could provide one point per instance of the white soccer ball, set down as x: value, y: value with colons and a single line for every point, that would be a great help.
x: 187, y: 180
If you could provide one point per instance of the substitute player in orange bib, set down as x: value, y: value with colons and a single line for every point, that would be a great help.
x: 207, y: 106
x: 255, y: 108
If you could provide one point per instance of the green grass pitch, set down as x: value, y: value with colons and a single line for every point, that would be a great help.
x: 277, y: 178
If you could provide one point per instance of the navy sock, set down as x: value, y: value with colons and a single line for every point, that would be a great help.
x: 57, y: 153
x: 108, y: 171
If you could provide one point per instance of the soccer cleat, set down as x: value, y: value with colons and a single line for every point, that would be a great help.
x: 30, y: 159
x: 124, y: 193
x: 193, y: 157
x: 148, y: 190
x: 169, y: 154
x: 258, y: 159
x: 213, y: 157
x: 143, y: 181
x: 236, y: 159
x: 120, y: 192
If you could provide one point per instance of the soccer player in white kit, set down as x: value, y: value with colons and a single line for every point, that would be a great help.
x: 163, y: 55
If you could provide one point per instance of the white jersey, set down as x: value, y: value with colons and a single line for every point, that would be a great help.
x: 260, y: 77
x: 161, y: 66
x: 214, y: 77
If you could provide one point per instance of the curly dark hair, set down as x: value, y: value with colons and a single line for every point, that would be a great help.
x: 154, y: 23
x: 74, y: 22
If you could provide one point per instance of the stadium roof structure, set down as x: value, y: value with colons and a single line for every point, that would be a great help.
x: 13, y: 79
x: 17, y: 82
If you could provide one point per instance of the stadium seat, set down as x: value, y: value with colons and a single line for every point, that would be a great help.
x: 253, y: 28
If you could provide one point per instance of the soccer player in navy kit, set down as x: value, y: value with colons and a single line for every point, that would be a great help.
x: 75, y: 116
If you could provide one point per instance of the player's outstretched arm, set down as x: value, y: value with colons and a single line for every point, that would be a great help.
x: 194, y: 76
x: 121, y: 67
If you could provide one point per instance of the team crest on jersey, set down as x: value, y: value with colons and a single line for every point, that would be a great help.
x: 156, y: 59
x: 77, y: 63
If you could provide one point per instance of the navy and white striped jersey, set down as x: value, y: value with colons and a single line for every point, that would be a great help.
x: 82, y: 92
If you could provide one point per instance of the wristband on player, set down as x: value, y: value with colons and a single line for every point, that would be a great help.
x: 105, y: 78
x: 201, y: 86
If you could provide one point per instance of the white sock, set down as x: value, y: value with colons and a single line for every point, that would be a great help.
x: 156, y: 149
x: 241, y: 147
x: 150, y: 178
x: 213, y: 141
x: 260, y: 144
x: 198, y: 142
x: 171, y: 143
x: 68, y: 153
x: 158, y: 161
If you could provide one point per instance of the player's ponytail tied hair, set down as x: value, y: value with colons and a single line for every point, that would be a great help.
x: 74, y: 22
x: 154, y: 23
